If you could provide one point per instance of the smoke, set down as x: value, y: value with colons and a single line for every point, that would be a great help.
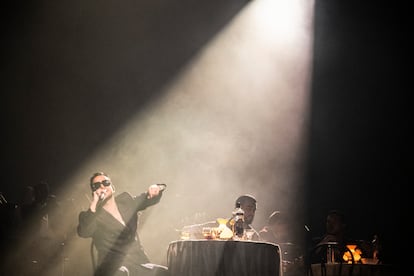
x: 232, y: 122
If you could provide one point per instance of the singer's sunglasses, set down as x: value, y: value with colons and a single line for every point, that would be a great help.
x: 96, y: 185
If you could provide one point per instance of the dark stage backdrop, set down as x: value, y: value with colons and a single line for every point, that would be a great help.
x: 64, y: 78
x: 358, y: 146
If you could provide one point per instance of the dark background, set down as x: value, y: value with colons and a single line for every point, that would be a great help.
x: 65, y: 76
x: 359, y: 132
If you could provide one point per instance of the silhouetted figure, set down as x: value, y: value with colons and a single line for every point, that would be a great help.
x: 9, y: 222
x: 281, y: 230
x: 278, y: 229
x: 331, y: 246
x: 335, y: 228
x: 37, y: 243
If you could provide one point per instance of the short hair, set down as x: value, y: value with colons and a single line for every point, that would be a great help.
x: 245, y: 198
x: 95, y: 175
x: 104, y: 174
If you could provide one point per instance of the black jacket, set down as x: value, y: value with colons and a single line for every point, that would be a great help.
x: 117, y: 245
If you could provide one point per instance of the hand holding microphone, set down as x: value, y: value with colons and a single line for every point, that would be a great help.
x: 99, y: 195
x: 162, y: 186
x: 155, y: 189
x: 102, y: 195
x: 98, y: 198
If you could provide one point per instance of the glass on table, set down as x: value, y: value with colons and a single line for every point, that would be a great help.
x: 223, y: 232
x: 185, y: 233
x: 248, y: 234
x: 208, y: 233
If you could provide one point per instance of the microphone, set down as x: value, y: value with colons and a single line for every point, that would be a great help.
x: 102, y: 195
x: 162, y: 186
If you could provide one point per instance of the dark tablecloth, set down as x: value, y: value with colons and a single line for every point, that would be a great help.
x: 223, y: 258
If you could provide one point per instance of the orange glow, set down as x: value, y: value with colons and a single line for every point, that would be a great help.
x: 356, y: 253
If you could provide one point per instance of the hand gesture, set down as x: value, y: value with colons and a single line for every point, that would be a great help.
x: 153, y: 191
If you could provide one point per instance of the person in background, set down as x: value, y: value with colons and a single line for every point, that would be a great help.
x: 37, y: 239
x: 334, y: 237
x: 248, y: 204
x: 280, y: 230
x: 111, y: 221
x: 10, y: 221
x: 335, y: 228
x: 277, y: 229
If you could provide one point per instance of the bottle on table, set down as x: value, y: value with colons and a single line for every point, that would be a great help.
x: 238, y: 226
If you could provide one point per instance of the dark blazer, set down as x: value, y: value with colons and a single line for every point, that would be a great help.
x: 117, y: 244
